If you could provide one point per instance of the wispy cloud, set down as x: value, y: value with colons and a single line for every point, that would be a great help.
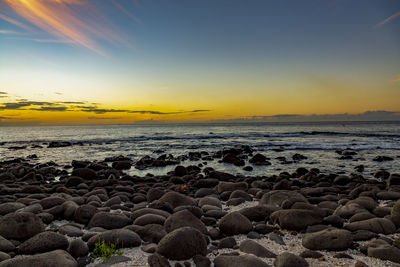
x: 126, y: 11
x: 76, y: 21
x: 9, y: 32
x: 396, y: 80
x: 389, y: 19
x: 15, y: 22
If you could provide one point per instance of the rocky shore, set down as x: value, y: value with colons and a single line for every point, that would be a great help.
x: 195, y: 215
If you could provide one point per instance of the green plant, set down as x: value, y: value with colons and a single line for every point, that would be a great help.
x: 105, y: 250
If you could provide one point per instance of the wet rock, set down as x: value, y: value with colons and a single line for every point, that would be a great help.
x: 182, y: 244
x: 43, y: 242
x: 122, y: 165
x: 122, y: 238
x: 234, y: 223
x: 252, y: 247
x: 382, y: 158
x: 394, y: 179
x: 329, y: 239
x: 184, y: 218
x: 59, y: 258
x: 236, y: 261
x: 59, y: 144
x: 85, y: 173
x: 109, y: 220
x: 259, y: 159
x: 20, y: 225
x: 287, y: 259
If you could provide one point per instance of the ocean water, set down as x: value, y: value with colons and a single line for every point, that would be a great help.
x: 318, y: 141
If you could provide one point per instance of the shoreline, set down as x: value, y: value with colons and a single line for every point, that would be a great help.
x: 158, y: 216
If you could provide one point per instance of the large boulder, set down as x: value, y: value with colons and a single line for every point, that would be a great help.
x: 238, y: 261
x: 182, y: 244
x: 328, y: 239
x: 295, y: 219
x: 109, y: 220
x: 122, y: 238
x: 20, y: 225
x: 59, y: 258
x: 376, y: 225
x: 43, y: 242
x: 235, y: 223
x: 281, y: 198
x: 184, y: 218
x: 175, y: 200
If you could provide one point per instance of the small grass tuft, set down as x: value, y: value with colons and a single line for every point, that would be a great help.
x: 105, y: 250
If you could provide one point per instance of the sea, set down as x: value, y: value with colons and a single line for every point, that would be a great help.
x: 319, y: 142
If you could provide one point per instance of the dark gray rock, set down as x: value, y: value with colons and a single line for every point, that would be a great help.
x: 252, y: 247
x: 329, y: 239
x: 77, y: 248
x: 122, y: 238
x: 287, y: 259
x: 279, y: 197
x: 234, y: 223
x: 376, y: 225
x: 295, y: 219
x: 238, y: 261
x: 59, y: 258
x: 43, y: 242
x: 20, y: 225
x: 9, y: 207
x: 109, y: 220
x: 182, y: 244
x: 184, y: 218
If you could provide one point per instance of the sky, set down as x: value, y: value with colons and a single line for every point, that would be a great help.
x: 131, y: 61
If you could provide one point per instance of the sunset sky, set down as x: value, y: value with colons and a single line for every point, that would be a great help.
x: 126, y: 61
